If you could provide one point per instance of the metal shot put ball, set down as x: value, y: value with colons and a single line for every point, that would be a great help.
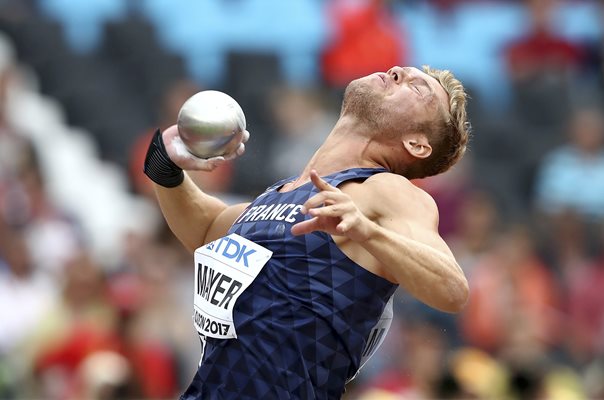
x: 208, y: 123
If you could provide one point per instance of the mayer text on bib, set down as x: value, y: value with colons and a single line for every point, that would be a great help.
x: 224, y: 268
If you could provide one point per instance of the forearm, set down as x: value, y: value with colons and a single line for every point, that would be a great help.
x: 188, y: 211
x: 428, y: 274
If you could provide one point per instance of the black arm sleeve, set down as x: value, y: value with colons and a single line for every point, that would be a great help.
x: 158, y: 165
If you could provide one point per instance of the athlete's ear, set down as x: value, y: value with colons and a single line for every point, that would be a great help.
x: 418, y: 146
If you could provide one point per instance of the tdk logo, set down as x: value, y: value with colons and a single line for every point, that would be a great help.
x: 231, y: 249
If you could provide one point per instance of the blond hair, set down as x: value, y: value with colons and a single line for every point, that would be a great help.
x: 450, y: 135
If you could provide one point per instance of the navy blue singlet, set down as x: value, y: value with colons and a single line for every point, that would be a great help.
x: 303, y: 323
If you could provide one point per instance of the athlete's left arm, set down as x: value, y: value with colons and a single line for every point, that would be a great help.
x: 402, y: 236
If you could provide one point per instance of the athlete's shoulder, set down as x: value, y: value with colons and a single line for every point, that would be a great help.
x: 394, y: 185
x: 399, y: 195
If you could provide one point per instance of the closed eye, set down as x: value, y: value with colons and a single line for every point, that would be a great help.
x: 416, y: 87
x: 426, y: 89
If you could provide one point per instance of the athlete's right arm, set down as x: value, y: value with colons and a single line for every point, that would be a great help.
x: 193, y: 216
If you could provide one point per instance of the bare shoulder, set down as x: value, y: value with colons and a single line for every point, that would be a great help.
x: 398, y: 190
x: 392, y: 195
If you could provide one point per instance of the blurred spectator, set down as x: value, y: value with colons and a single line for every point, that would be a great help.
x: 514, y: 301
x: 80, y: 323
x: 24, y: 202
x: 594, y: 380
x: 572, y: 176
x: 515, y: 312
x: 15, y: 151
x: 567, y: 242
x: 541, y: 65
x: 417, y: 365
x: 366, y: 39
x: 594, y: 60
x: 104, y: 375
x: 93, y: 326
x: 480, y: 375
x: 157, y: 327
x: 541, y: 51
x: 129, y: 334
x: 52, y: 236
x: 302, y: 123
x: 570, y: 243
x: 585, y: 338
x: 154, y: 293
x: 26, y: 294
x: 477, y: 226
x: 449, y: 193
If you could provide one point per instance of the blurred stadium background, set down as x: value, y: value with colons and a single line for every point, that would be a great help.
x: 94, y: 290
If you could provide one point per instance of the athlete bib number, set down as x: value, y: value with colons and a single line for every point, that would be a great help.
x: 224, y: 268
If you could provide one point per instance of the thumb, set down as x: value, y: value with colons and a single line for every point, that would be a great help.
x: 207, y: 165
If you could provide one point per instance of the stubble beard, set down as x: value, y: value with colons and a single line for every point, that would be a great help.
x: 363, y: 102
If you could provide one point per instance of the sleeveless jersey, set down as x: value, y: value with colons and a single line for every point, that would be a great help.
x: 305, y: 323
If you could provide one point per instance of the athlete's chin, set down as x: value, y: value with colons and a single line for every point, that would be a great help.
x: 361, y: 84
x: 359, y: 97
x: 351, y: 89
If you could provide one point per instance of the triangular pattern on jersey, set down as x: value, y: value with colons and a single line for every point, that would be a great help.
x: 304, y: 321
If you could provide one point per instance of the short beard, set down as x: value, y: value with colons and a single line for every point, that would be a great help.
x: 361, y: 102
x: 366, y: 106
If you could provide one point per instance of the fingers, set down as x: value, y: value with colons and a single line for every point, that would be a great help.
x: 322, y: 198
x: 176, y: 147
x: 242, y: 137
x: 304, y: 227
x: 327, y: 193
x: 241, y: 149
x: 346, y: 223
x: 238, y: 152
x: 245, y: 136
x: 208, y: 165
x: 181, y: 156
x: 169, y: 133
x: 215, y: 160
x: 335, y: 210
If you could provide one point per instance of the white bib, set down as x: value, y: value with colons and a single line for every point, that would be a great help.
x: 224, y: 268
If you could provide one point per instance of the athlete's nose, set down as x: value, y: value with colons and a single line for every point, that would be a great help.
x: 397, y: 74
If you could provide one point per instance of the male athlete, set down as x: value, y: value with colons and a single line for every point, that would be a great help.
x: 292, y: 291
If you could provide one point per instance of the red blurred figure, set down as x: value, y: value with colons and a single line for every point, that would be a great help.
x: 94, y: 319
x: 585, y: 339
x: 542, y: 50
x: 366, y: 39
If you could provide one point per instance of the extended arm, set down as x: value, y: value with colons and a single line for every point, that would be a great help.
x: 431, y: 275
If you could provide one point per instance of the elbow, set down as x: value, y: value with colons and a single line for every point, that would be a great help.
x: 460, y: 295
x: 457, y: 295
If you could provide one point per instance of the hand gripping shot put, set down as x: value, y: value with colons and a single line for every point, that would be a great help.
x: 293, y: 291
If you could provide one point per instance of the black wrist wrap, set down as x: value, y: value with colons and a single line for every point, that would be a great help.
x: 158, y: 166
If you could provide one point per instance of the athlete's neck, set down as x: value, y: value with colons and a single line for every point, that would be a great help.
x: 349, y: 145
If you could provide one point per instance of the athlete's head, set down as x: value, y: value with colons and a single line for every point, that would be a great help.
x: 425, y: 111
